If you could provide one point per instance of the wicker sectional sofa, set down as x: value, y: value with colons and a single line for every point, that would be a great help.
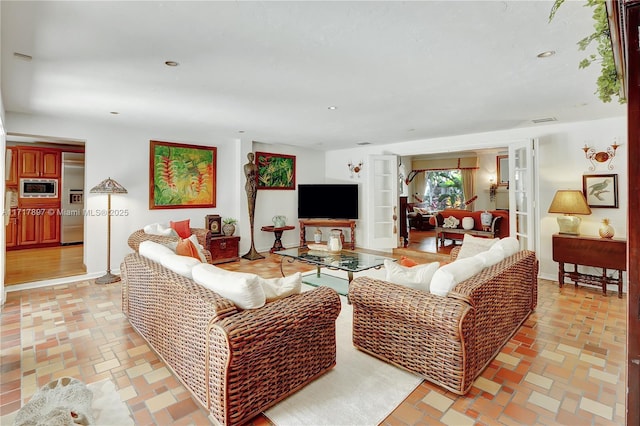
x: 236, y: 363
x: 448, y: 340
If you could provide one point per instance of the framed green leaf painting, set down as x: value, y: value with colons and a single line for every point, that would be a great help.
x: 276, y: 171
x: 181, y: 176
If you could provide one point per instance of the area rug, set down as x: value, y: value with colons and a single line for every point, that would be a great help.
x: 359, y: 390
x: 107, y: 407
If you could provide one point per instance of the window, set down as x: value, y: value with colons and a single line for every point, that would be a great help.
x: 443, y: 190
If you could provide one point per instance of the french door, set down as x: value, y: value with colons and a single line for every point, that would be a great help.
x: 523, y: 214
x: 382, y: 218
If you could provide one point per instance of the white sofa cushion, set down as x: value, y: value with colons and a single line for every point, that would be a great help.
x: 279, y: 288
x: 490, y: 257
x: 473, y: 245
x: 448, y: 276
x: 180, y: 264
x: 243, y: 289
x: 417, y: 277
x: 154, y: 251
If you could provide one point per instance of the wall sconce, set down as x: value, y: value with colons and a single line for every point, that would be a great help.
x: 355, y: 168
x: 602, y: 156
x: 492, y: 190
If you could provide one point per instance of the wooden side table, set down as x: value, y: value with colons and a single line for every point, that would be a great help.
x: 602, y: 253
x: 277, y: 232
x: 224, y: 249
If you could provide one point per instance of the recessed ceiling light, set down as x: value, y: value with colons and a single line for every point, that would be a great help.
x: 332, y: 107
x: 22, y: 56
x: 240, y: 131
x: 114, y: 112
x: 546, y: 54
x: 171, y: 63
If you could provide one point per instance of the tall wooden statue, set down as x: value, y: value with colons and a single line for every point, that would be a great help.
x: 251, y: 173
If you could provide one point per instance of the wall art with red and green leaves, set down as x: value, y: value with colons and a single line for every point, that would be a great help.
x: 181, y: 176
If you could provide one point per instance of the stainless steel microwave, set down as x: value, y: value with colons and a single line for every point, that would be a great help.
x: 38, y: 188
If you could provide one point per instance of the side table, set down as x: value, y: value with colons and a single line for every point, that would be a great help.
x: 224, y: 249
x: 277, y: 232
x: 602, y: 253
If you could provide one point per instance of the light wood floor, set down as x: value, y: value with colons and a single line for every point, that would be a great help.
x: 37, y: 264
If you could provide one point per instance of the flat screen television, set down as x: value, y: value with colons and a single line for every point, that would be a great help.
x: 328, y: 201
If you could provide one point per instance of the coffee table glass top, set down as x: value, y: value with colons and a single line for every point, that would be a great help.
x: 345, y: 260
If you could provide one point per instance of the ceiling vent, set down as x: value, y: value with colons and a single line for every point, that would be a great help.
x: 544, y: 120
x: 363, y: 143
x: 22, y: 56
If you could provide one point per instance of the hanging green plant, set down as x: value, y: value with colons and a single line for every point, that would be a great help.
x: 608, y: 83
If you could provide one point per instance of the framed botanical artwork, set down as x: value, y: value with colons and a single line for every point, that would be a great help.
x: 213, y: 222
x: 181, y: 176
x: 601, y: 190
x: 275, y: 171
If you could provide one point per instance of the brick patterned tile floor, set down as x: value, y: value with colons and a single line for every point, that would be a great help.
x: 565, y: 365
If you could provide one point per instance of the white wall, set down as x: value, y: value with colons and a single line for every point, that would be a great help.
x: 561, y: 163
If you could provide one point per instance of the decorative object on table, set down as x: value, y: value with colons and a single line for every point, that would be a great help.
x: 108, y: 186
x: 335, y: 241
x: 485, y: 220
x: 181, y: 176
x: 276, y: 171
x: 601, y: 190
x: 467, y: 222
x: 355, y: 169
x: 569, y: 202
x: 451, y: 222
x: 279, y: 221
x: 250, y: 187
x: 317, y: 236
x: 229, y: 226
x: 213, y: 223
x: 606, y: 230
x: 65, y: 401
x: 602, y: 156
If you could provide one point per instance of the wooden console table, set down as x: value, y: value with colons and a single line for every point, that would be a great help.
x: 590, y: 251
x: 329, y: 223
x: 492, y: 232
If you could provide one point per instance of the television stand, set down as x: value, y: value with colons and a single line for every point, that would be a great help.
x: 328, y: 223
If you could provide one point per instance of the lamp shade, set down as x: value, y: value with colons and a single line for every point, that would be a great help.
x: 569, y: 201
x: 108, y: 186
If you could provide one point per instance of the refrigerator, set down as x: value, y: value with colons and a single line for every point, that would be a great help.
x: 72, y: 198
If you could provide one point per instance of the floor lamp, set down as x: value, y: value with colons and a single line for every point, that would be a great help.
x: 108, y: 186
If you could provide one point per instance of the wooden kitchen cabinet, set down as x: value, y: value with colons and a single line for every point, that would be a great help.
x: 39, y: 163
x: 11, y: 239
x: 38, y: 225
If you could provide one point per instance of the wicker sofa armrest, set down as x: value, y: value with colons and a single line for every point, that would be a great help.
x: 269, y: 353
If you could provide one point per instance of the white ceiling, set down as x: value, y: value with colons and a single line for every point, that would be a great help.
x: 396, y: 71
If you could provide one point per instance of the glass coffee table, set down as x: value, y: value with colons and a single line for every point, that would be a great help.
x: 345, y: 260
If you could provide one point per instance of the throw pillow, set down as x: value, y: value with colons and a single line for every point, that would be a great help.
x: 243, y: 289
x: 490, y: 257
x: 180, y: 264
x: 194, y: 239
x: 279, y: 288
x: 186, y: 247
x: 159, y: 229
x: 154, y: 251
x: 405, y: 261
x: 417, y: 277
x: 509, y: 245
x: 183, y: 228
x: 448, y: 276
x: 473, y: 245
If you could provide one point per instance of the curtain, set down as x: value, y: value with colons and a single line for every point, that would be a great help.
x: 468, y: 185
x: 419, y: 187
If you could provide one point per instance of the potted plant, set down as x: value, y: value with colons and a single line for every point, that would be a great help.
x: 229, y: 226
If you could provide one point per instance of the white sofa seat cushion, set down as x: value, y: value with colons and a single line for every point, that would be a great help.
x: 472, y: 245
x: 417, y: 277
x: 182, y: 265
x: 154, y: 251
x: 279, y: 288
x: 243, y: 289
x: 448, y: 276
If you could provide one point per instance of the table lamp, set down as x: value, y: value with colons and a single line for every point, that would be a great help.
x: 569, y: 202
x: 108, y: 186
